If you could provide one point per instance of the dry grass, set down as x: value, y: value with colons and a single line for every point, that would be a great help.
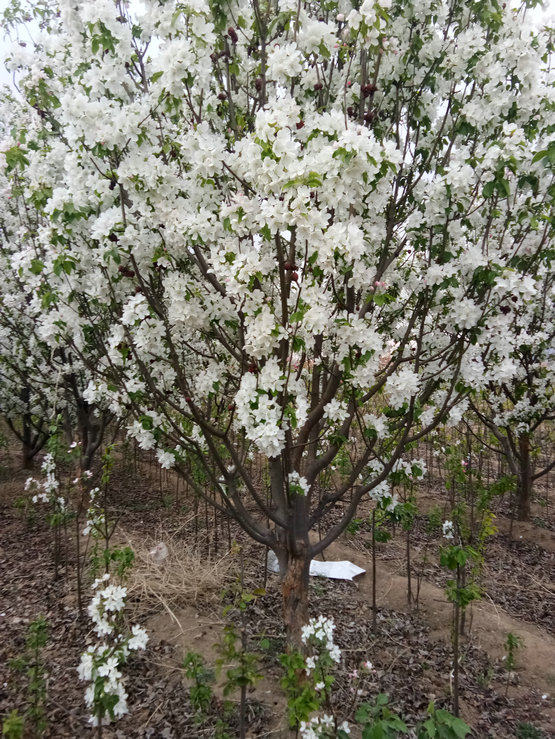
x: 176, y: 581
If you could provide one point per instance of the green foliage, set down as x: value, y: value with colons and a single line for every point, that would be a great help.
x: 528, y: 731
x: 512, y: 644
x: 378, y: 720
x: 457, y: 474
x: 108, y: 461
x: 302, y: 697
x: 200, y: 692
x: 434, y: 520
x: 30, y: 663
x: 463, y: 596
x: 13, y: 725
x: 381, y: 535
x: 25, y: 508
x: 15, y: 157
x: 241, y: 664
x: 55, y: 444
x: 122, y: 559
x: 103, y: 701
x: 354, y: 526
x: 497, y: 488
x: 456, y: 556
x: 407, y: 512
x: 442, y: 725
x: 241, y: 599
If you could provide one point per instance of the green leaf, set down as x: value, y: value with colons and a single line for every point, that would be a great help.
x: 314, y: 180
x: 489, y: 189
x: 324, y: 51
x: 15, y: 157
x: 63, y: 263
x: 503, y: 187
x: 36, y: 266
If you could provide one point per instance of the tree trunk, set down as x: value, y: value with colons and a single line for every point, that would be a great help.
x: 294, y: 590
x: 524, y: 491
x: 27, y: 457
x: 27, y: 452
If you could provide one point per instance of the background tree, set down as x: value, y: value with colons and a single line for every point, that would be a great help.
x: 516, y: 409
x: 38, y: 380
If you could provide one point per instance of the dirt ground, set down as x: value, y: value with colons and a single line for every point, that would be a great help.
x: 410, y: 650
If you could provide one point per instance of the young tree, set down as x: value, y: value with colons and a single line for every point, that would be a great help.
x: 285, y: 227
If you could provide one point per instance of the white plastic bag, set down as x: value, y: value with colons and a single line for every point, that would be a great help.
x: 343, y: 570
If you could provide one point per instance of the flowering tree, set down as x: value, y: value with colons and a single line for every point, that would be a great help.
x: 515, y: 409
x: 39, y: 381
x: 285, y: 230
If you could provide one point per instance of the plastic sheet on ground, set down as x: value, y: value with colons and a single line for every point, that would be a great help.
x: 343, y: 570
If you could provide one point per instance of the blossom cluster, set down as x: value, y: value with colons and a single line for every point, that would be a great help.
x: 46, y: 490
x: 101, y: 663
x: 318, y: 634
x: 323, y: 727
x: 96, y: 517
x: 448, y: 529
x: 298, y: 484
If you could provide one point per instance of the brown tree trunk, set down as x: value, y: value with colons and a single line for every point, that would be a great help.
x: 27, y: 452
x: 524, y: 490
x: 27, y: 457
x: 294, y: 591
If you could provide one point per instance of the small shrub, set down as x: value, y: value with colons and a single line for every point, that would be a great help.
x: 31, y: 664
x: 528, y: 731
x: 201, y: 691
x: 378, y: 721
x: 13, y: 726
x: 442, y: 725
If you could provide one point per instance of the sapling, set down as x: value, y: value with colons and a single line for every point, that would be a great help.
x: 302, y: 697
x: 379, y: 535
x: 405, y: 474
x: 442, y: 725
x: 379, y: 721
x: 513, y: 643
x: 101, y: 663
x: 13, y: 725
x: 201, y: 693
x: 308, y: 681
x: 470, y: 511
x: 240, y: 669
x: 99, y: 526
x: 32, y: 664
x: 48, y: 490
x: 455, y: 558
x: 407, y: 513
